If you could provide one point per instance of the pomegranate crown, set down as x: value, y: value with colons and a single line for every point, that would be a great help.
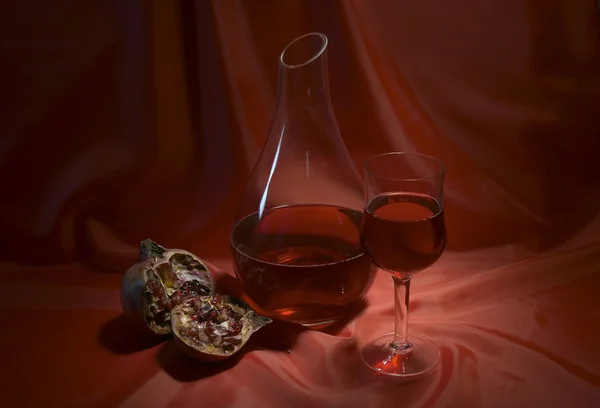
x: 151, y: 250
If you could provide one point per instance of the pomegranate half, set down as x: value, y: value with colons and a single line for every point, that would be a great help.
x: 160, y: 280
x: 214, y: 328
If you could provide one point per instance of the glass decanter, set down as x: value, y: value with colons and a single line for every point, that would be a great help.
x: 296, y: 236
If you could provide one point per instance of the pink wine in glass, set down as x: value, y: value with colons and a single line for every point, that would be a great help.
x: 404, y: 232
x: 302, y: 263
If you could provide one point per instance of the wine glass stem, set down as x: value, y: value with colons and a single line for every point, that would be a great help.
x: 401, y: 299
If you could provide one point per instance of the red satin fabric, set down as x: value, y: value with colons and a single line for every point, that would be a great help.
x: 126, y: 120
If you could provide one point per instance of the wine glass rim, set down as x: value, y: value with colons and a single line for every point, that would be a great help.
x: 311, y: 59
x: 434, y: 174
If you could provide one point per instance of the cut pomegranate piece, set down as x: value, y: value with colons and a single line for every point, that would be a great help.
x: 162, y: 279
x: 224, y: 324
x: 235, y: 329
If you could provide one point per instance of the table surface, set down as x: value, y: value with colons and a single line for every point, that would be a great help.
x: 514, y: 329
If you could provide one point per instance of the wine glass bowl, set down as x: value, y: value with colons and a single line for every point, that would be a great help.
x: 403, y: 232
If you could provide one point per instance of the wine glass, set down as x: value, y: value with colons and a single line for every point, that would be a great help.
x: 403, y: 232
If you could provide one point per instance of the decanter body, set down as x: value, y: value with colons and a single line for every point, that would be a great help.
x: 295, y: 239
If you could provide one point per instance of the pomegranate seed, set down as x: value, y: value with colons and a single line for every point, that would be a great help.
x: 209, y: 330
x: 164, y: 303
x: 235, y: 329
x: 193, y: 332
x: 177, y: 298
x: 216, y: 299
x: 213, y: 315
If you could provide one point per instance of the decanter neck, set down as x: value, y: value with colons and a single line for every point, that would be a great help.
x: 306, y: 86
x: 303, y: 79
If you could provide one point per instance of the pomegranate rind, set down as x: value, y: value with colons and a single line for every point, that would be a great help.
x: 154, y: 263
x: 206, y: 351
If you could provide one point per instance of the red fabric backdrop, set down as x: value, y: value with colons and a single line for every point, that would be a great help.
x: 122, y: 120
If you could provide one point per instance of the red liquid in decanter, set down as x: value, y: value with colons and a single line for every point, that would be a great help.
x: 302, y: 263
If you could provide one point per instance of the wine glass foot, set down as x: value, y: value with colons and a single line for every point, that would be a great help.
x: 422, y: 357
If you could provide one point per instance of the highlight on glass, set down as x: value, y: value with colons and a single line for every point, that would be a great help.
x: 403, y: 233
